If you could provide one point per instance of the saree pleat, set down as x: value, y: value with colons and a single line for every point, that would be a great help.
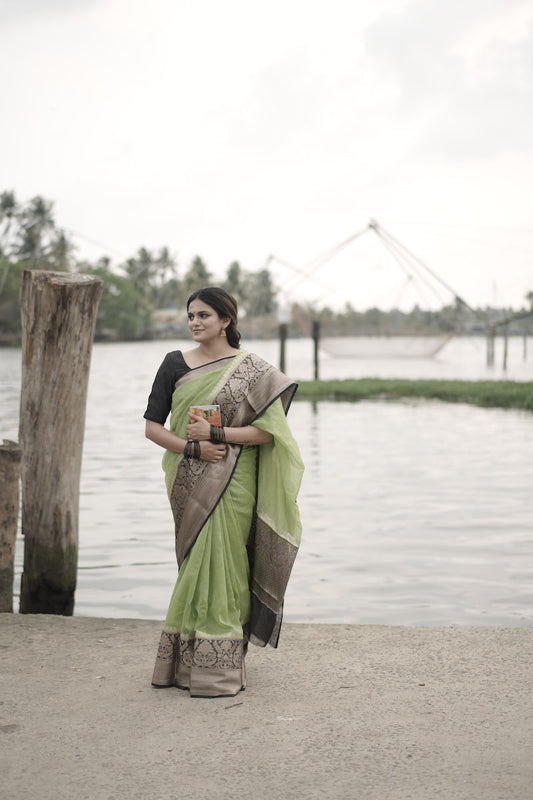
x: 206, y: 631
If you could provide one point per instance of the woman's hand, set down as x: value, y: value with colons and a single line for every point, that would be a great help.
x: 199, y: 429
x: 212, y: 452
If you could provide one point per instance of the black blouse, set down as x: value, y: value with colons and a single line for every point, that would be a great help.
x: 160, y: 400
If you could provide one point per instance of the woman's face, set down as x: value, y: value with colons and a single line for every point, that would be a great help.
x: 204, y: 322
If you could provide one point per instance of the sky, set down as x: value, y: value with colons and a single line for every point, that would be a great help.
x: 268, y: 133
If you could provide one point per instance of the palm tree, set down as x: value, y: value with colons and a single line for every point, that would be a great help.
x: 60, y: 252
x: 197, y: 276
x: 36, y: 222
x: 8, y: 213
x: 235, y: 282
x: 260, y: 293
x: 166, y: 265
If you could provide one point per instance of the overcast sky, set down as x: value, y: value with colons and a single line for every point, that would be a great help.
x: 240, y: 129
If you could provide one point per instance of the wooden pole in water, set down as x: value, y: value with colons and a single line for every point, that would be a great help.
x: 10, y: 466
x: 490, y: 345
x: 282, y: 345
x: 315, y: 333
x: 505, y: 344
x: 58, y: 320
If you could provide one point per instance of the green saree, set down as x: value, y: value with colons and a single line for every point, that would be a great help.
x: 237, y: 529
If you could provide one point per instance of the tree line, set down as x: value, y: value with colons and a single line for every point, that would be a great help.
x: 134, y: 289
x: 144, y: 296
x: 451, y: 319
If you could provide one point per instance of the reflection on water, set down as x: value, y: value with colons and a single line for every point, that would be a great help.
x: 414, y: 512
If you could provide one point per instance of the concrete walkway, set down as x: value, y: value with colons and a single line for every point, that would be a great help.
x: 338, y: 711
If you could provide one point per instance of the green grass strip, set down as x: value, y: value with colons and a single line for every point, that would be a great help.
x: 495, y: 394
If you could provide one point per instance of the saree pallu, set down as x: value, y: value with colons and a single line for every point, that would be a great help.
x: 237, y: 529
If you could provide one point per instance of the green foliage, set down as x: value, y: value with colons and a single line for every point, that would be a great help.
x: 197, y: 276
x: 153, y: 275
x: 454, y: 318
x: 28, y: 232
x: 254, y: 291
x: 259, y: 293
x: 148, y: 283
x: 123, y: 312
x: 10, y: 325
x: 235, y: 282
x: 29, y: 239
x: 502, y: 394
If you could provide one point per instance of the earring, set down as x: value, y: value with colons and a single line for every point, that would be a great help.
x: 223, y: 332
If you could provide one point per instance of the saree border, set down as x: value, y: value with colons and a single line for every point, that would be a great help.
x: 207, y: 667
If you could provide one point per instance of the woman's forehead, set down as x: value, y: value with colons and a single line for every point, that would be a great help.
x: 198, y: 305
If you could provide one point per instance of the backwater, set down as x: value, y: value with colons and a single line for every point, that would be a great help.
x: 414, y: 512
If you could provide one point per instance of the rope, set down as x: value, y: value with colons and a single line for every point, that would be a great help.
x: 314, y: 265
x: 406, y: 265
x: 378, y: 229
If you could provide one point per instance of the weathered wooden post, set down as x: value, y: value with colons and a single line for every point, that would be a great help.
x: 315, y: 333
x: 490, y: 345
x: 58, y: 320
x: 10, y: 464
x: 283, y: 329
x: 282, y: 345
x: 505, y: 344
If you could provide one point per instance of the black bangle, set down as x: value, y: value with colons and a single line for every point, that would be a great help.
x: 217, y: 434
x: 192, y: 450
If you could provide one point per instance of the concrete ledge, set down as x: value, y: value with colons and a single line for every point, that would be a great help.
x: 338, y: 711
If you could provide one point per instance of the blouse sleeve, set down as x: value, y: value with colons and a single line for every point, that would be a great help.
x: 160, y: 400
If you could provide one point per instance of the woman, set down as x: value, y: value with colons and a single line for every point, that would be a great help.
x: 232, y: 488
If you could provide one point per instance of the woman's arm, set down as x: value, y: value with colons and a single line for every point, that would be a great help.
x: 248, y: 434
x: 164, y: 438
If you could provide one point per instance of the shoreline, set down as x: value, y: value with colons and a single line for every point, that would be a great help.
x: 338, y: 711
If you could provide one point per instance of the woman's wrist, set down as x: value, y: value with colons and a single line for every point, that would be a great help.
x: 217, y: 434
x: 192, y: 450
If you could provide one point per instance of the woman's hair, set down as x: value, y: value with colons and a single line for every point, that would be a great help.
x: 226, y: 307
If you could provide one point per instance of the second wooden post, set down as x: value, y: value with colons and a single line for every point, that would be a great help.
x: 315, y: 333
x: 10, y: 465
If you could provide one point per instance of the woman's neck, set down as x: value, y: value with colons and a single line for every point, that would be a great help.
x: 203, y: 355
x: 217, y: 348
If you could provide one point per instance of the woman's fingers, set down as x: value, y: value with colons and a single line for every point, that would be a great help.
x: 212, y: 452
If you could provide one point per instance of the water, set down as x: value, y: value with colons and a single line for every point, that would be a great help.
x: 415, y: 512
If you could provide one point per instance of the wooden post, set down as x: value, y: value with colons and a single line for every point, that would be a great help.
x: 282, y: 341
x: 315, y: 333
x: 490, y: 345
x: 10, y: 465
x: 505, y: 344
x: 524, y: 347
x: 58, y: 318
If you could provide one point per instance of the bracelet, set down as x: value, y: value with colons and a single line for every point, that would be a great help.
x: 192, y: 450
x: 217, y: 434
